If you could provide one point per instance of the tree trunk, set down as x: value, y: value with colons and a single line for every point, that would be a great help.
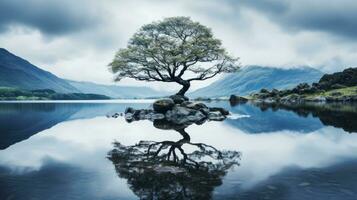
x: 185, y: 135
x: 185, y: 86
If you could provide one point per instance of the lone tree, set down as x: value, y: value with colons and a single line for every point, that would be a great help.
x: 175, y: 49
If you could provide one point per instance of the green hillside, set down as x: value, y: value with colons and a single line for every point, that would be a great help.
x: 7, y: 93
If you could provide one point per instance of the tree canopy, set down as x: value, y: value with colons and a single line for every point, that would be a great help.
x: 175, y: 49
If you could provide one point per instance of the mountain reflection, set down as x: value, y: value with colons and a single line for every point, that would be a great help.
x: 337, y: 115
x: 172, y: 169
x: 19, y: 121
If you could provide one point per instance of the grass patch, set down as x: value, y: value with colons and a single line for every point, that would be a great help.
x: 348, y: 91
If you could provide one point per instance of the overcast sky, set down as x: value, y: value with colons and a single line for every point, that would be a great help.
x: 76, y: 39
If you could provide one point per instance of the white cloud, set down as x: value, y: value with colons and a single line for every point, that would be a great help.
x: 246, y: 32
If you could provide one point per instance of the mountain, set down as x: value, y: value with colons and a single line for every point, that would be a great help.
x: 18, y: 73
x: 116, y: 91
x: 253, y: 78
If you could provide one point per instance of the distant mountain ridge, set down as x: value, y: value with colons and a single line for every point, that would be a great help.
x: 16, y: 72
x: 19, y: 73
x: 253, y: 78
x: 115, y: 91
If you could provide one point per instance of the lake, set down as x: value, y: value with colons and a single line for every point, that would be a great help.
x: 73, y: 150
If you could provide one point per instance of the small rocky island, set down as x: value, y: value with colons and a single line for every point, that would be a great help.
x: 177, y: 110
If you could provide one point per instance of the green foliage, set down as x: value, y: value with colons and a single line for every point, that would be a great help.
x: 347, y: 91
x: 166, y: 50
x: 7, y: 93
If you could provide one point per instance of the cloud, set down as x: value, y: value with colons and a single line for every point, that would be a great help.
x: 334, y: 17
x: 51, y: 17
x: 77, y: 39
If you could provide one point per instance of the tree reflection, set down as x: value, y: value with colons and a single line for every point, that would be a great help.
x: 172, y: 169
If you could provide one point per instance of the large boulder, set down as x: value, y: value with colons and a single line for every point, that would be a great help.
x: 129, y: 110
x: 234, y: 100
x: 163, y: 105
x: 178, y: 99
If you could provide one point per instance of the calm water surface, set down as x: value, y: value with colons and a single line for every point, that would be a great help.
x: 73, y: 151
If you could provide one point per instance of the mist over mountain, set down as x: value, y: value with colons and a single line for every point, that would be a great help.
x: 19, y: 73
x: 253, y: 78
x: 115, y: 91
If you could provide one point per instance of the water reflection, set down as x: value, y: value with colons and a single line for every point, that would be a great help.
x: 19, y: 121
x: 258, y: 120
x: 69, y: 159
x: 172, y: 169
x: 337, y: 115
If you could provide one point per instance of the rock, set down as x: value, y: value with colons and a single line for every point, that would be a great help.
x: 221, y: 110
x: 166, y: 113
x: 274, y: 92
x: 197, y: 118
x: 216, y: 116
x: 270, y: 100
x: 182, y: 111
x: 194, y: 105
x: 302, y: 88
x: 264, y: 90
x: 178, y: 99
x: 261, y: 95
x: 314, y: 89
x: 346, y: 78
x: 234, y: 100
x: 183, y: 115
x: 167, y: 125
x: 129, y: 110
x: 129, y: 117
x: 204, y: 111
x: 284, y: 92
x: 115, y: 115
x: 163, y: 105
x: 155, y: 116
x: 293, y: 98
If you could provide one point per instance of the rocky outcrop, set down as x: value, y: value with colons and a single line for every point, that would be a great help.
x: 234, y: 100
x: 346, y: 78
x: 163, y: 105
x: 185, y: 113
x: 317, y: 92
x: 178, y: 99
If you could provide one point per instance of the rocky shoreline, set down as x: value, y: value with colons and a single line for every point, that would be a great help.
x: 276, y: 96
x: 336, y: 87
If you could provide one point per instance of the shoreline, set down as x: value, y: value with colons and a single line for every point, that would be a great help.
x: 81, y: 101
